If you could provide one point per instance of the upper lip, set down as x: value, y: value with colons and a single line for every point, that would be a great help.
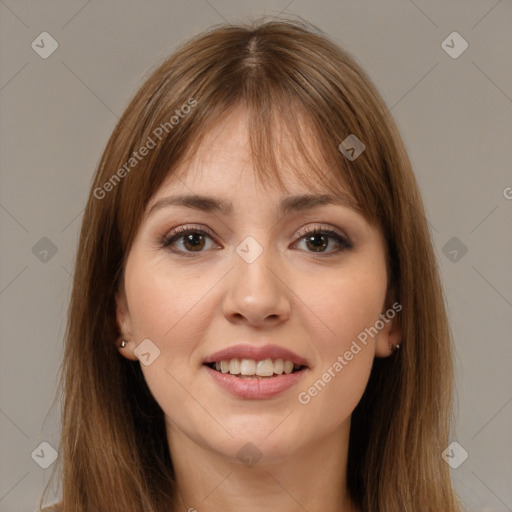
x: 257, y: 353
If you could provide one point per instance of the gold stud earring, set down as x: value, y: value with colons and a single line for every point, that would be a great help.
x: 123, y: 344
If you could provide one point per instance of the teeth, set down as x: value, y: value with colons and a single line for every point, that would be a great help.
x: 234, y: 366
x: 265, y: 368
x: 278, y: 366
x: 250, y: 367
x: 288, y: 367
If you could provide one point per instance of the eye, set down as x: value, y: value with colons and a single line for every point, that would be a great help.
x: 319, y: 239
x: 195, y: 240
x: 192, y: 239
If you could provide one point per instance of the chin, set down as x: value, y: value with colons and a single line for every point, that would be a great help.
x: 262, y: 439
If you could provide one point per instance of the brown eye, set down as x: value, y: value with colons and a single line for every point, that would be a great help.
x: 318, y: 240
x: 186, y: 240
x: 193, y: 241
x: 318, y: 243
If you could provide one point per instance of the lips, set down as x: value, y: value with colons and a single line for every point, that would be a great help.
x: 255, y: 388
x: 252, y: 372
x: 256, y: 353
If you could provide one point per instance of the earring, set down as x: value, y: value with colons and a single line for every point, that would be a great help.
x: 123, y: 344
x: 393, y: 348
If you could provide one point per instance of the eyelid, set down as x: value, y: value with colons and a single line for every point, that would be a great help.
x: 336, y: 234
x: 321, y: 227
x: 332, y: 232
x: 188, y: 227
x: 184, y: 229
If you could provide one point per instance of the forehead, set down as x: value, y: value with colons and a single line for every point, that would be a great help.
x: 223, y: 162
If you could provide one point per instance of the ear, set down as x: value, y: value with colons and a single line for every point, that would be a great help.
x: 390, y: 335
x: 124, y: 325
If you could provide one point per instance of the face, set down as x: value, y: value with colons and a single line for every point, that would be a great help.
x: 253, y: 282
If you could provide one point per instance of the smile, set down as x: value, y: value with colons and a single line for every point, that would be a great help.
x: 253, y: 386
x: 250, y: 368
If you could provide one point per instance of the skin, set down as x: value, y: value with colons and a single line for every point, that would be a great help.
x: 312, y: 303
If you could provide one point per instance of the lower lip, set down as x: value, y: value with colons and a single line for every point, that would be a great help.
x: 256, y: 388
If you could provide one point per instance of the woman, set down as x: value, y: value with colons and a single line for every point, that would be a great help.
x: 257, y: 321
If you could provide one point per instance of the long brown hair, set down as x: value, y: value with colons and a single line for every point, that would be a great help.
x: 114, y: 454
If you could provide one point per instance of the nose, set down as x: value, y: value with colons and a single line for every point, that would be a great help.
x: 257, y: 293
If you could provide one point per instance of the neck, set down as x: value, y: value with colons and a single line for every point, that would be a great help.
x: 312, y: 478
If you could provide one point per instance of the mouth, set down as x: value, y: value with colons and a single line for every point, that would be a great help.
x: 256, y: 373
x: 256, y: 369
x: 250, y: 361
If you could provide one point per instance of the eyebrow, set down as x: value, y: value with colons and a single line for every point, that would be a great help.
x: 288, y: 205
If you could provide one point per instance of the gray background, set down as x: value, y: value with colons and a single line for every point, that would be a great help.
x: 454, y: 114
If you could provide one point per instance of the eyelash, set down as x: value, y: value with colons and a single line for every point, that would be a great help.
x: 178, y: 233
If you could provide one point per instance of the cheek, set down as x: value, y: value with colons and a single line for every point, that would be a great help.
x: 165, y: 307
x: 163, y: 301
x: 334, y: 391
x: 344, y: 362
x: 349, y: 304
x: 345, y: 304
